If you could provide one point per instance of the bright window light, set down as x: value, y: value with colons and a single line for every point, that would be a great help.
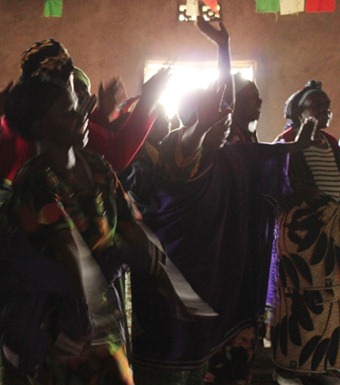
x: 188, y: 76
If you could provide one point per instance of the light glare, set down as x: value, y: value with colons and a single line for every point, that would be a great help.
x: 186, y: 77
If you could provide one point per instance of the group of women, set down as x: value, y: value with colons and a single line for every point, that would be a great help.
x: 198, y: 230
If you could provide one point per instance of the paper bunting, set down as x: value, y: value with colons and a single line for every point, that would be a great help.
x: 192, y: 8
x: 212, y: 4
x: 188, y: 10
x: 320, y: 6
x: 291, y: 6
x: 287, y: 7
x: 53, y: 8
x: 267, y: 6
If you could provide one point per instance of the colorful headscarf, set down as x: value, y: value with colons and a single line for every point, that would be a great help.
x: 47, y: 61
x: 79, y: 74
x: 46, y: 67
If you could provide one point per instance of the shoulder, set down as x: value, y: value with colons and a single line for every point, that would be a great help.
x: 32, y: 174
x: 95, y: 161
x: 330, y: 138
x: 100, y: 168
x: 93, y: 158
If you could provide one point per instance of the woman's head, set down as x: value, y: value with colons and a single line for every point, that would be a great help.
x: 46, y: 61
x: 310, y: 101
x: 27, y: 104
x: 46, y: 69
x: 247, y: 101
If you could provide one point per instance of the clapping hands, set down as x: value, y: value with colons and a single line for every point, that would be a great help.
x: 153, y: 88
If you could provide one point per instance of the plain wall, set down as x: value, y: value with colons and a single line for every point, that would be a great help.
x: 116, y: 37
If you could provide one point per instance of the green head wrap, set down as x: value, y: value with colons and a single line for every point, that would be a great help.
x: 81, y: 76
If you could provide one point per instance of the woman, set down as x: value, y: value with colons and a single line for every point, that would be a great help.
x: 61, y: 198
x: 246, y: 112
x: 306, y: 325
x: 118, y: 140
x: 69, y: 205
x: 201, y: 197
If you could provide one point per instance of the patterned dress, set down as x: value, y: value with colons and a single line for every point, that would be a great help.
x: 44, y: 203
x: 306, y: 332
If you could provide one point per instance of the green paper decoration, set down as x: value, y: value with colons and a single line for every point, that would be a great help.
x: 53, y: 8
x: 267, y: 6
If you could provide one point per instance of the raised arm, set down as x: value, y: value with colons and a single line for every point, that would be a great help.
x: 221, y: 38
x: 120, y: 143
x: 209, y: 114
x: 110, y: 95
x: 215, y: 104
x: 303, y: 139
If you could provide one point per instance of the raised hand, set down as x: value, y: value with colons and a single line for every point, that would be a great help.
x: 306, y: 135
x: 219, y: 36
x: 153, y: 88
x: 110, y: 95
x: 304, y: 138
x: 3, y: 96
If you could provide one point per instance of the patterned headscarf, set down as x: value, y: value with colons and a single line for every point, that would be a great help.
x: 46, y: 67
x: 46, y: 61
x: 80, y: 75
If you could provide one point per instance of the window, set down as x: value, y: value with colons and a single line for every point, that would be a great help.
x: 187, y: 76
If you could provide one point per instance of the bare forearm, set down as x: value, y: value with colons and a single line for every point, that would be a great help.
x: 225, y: 77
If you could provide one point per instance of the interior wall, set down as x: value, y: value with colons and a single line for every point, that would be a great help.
x: 114, y: 37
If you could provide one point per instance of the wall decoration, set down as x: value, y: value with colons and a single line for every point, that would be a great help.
x: 288, y: 7
x: 188, y: 10
x: 53, y: 8
x: 192, y: 8
x: 267, y: 6
x: 212, y: 4
x: 320, y: 6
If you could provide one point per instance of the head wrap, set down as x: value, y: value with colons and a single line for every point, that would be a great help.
x: 81, y: 76
x: 295, y: 102
x: 46, y: 67
x: 46, y: 61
